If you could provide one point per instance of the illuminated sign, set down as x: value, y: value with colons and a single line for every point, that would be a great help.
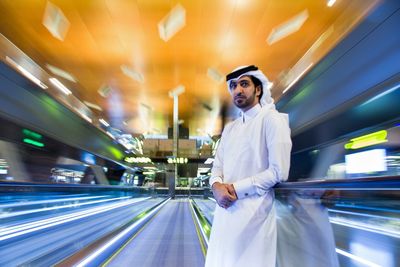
x: 137, y: 160
x: 31, y: 134
x: 177, y: 160
x: 367, y: 140
x: 33, y: 142
x: 32, y: 138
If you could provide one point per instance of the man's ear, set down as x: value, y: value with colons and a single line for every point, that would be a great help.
x: 258, y: 91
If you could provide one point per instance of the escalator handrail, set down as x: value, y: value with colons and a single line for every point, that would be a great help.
x: 375, y: 183
x: 55, y: 185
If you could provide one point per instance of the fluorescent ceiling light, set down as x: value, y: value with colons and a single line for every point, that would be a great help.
x: 61, y: 73
x: 199, y: 170
x: 287, y: 28
x: 132, y: 74
x: 145, y: 106
x: 331, y: 3
x: 55, y: 21
x: 174, y: 21
x: 105, y: 91
x: 26, y: 73
x: 209, y: 161
x: 177, y: 91
x: 60, y: 86
x: 150, y: 168
x: 104, y: 122
x: 110, y: 135
x: 86, y: 117
x: 298, y: 77
x: 215, y: 75
x: 93, y: 106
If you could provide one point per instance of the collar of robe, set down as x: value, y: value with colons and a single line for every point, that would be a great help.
x: 251, y: 113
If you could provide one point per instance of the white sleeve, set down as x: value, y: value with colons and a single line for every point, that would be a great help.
x: 279, y: 145
x: 216, y: 171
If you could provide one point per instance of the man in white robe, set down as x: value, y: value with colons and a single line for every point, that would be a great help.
x: 253, y: 156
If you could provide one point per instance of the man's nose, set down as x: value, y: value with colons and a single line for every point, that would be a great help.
x: 238, y: 89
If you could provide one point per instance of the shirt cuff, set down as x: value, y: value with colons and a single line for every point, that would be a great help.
x: 214, y: 180
x: 244, y: 188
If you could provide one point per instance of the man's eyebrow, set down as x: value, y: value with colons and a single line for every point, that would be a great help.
x: 245, y: 78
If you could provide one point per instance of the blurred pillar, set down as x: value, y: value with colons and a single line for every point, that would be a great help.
x: 99, y: 175
x: 170, y: 171
x: 16, y: 168
x: 175, y: 94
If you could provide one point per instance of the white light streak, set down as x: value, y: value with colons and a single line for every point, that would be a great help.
x: 110, y: 135
x: 26, y: 73
x: 93, y: 106
x: 15, y: 228
x: 297, y: 78
x: 356, y: 258
x: 104, y: 122
x: 83, y: 115
x: 92, y: 256
x: 382, y: 94
x: 60, y: 86
x: 18, y: 213
x: 198, y: 223
x: 11, y: 232
x: 46, y: 201
x: 365, y: 227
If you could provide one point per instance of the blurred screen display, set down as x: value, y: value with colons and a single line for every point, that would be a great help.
x: 366, y: 161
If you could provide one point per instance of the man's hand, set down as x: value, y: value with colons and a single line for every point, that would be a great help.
x: 224, y: 194
x: 231, y: 190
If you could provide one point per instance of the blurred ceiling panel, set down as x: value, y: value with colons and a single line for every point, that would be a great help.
x: 114, y: 47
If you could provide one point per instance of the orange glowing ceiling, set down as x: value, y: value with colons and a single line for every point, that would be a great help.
x: 105, y: 35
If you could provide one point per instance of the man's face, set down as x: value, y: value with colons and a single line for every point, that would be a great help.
x: 244, y: 93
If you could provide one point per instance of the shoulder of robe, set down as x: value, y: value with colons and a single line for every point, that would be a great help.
x: 228, y: 127
x: 274, y: 117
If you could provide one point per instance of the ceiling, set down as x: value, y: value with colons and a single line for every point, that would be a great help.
x: 104, y: 35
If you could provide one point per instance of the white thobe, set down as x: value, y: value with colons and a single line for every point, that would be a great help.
x: 253, y: 155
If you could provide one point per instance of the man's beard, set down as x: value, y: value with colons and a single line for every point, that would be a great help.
x: 244, y: 102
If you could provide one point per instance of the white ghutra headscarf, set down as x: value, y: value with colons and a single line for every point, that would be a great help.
x: 236, y: 74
